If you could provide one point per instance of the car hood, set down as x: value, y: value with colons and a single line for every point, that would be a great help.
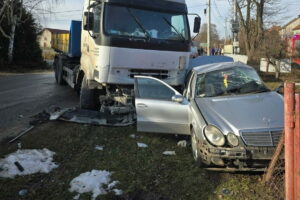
x: 235, y: 113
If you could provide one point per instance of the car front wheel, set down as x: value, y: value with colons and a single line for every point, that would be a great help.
x: 195, y: 149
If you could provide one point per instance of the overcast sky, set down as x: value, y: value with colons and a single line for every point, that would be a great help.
x: 221, y: 11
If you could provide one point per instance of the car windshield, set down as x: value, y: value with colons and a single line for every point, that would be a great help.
x: 132, y: 22
x: 230, y: 81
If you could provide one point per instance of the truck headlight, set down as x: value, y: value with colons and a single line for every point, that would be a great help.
x: 232, y: 139
x: 214, y: 135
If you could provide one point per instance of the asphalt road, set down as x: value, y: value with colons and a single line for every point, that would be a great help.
x: 25, y: 95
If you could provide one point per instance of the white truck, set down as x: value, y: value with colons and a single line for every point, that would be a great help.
x: 119, y: 39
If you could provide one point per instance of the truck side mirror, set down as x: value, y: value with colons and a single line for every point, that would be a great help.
x: 88, y: 21
x: 197, y: 24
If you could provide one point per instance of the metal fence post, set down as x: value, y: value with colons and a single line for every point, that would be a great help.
x: 289, y: 108
x: 297, y: 148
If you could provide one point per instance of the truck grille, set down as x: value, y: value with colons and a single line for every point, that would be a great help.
x: 261, y: 138
x: 161, y: 74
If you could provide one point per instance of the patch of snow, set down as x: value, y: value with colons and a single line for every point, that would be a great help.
x: 99, y: 148
x: 182, y: 143
x: 94, y: 182
x: 133, y: 136
x: 118, y: 192
x: 169, y: 153
x: 142, y: 145
x: 33, y: 161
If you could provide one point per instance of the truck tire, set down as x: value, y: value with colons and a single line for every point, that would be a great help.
x: 88, y: 97
x: 60, y: 79
x: 55, y: 63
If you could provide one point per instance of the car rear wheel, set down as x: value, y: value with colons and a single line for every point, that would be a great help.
x: 195, y: 149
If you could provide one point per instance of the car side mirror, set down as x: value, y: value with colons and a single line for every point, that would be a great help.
x: 279, y: 89
x: 178, y: 98
x: 197, y: 24
x: 88, y: 21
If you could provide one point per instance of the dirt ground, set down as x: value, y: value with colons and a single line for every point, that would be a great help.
x: 144, y: 173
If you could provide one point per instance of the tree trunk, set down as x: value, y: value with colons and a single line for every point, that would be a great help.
x: 12, y: 40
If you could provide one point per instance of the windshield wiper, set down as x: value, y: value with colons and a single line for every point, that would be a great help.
x: 139, y: 23
x: 169, y: 23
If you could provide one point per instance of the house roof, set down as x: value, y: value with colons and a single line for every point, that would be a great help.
x: 296, y: 28
x: 59, y: 31
x: 274, y: 28
x: 291, y: 22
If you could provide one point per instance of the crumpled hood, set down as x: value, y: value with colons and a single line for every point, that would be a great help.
x: 235, y: 113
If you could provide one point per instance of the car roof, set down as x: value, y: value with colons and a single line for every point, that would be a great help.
x: 218, y: 66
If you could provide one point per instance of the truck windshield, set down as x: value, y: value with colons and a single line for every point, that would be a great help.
x: 230, y: 81
x: 122, y: 21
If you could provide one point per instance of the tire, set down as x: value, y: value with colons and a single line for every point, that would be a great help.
x: 88, y: 97
x: 59, y: 71
x: 55, y: 69
x: 195, y: 149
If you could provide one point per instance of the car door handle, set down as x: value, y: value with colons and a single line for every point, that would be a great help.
x: 141, y: 105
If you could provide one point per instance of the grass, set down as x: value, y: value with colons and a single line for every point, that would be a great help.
x: 143, y: 173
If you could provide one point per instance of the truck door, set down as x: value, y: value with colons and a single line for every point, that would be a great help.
x: 159, y: 107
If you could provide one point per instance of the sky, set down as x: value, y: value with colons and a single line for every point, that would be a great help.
x: 221, y: 13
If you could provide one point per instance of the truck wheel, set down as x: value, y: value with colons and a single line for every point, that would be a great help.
x: 88, y: 97
x: 59, y: 71
x: 55, y: 64
x: 195, y: 149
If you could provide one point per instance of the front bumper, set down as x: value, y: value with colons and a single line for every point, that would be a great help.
x: 237, y: 158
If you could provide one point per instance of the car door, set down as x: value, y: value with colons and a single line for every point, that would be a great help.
x: 160, y: 108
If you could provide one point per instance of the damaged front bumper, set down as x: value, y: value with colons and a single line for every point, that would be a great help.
x: 236, y: 158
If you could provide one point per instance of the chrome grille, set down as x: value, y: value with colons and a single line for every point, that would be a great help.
x: 261, y: 138
x: 161, y: 74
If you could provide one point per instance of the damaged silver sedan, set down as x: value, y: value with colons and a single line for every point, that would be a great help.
x: 234, y: 120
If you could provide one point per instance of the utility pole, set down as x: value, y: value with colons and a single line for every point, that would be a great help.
x: 208, y: 28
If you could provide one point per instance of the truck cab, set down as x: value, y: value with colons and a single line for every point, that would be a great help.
x: 121, y: 39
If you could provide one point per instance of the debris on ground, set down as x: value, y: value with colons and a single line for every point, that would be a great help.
x: 226, y: 192
x: 40, y: 118
x: 21, y: 116
x: 182, y: 143
x: 133, y: 136
x: 21, y: 134
x: 95, y: 182
x: 142, y: 145
x: 31, y: 161
x: 23, y: 192
x: 82, y: 116
x: 169, y: 153
x: 99, y: 148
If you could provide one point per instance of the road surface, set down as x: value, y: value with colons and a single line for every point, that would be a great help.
x: 24, y: 95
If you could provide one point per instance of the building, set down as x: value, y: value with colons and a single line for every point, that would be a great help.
x: 52, y: 39
x: 296, y: 30
x: 287, y: 30
x: 48, y: 35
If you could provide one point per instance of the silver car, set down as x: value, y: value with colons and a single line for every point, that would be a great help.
x: 234, y: 120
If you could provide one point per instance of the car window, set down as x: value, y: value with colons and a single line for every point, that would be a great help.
x: 152, y: 89
x: 230, y: 81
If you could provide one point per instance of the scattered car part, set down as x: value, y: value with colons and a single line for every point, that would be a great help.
x: 21, y: 134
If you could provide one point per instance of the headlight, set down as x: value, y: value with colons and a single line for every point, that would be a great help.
x: 233, y: 139
x: 214, y: 135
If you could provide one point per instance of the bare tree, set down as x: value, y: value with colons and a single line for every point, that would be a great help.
x: 252, y: 14
x: 12, y: 13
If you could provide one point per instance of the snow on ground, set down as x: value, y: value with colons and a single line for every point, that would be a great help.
x: 99, y: 148
x: 142, y: 145
x: 95, y: 182
x: 169, y: 153
x: 33, y: 161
